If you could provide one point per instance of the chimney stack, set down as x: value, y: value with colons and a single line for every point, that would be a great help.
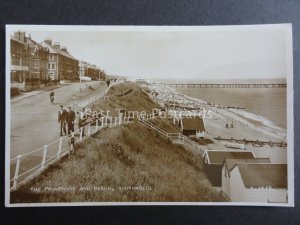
x: 56, y: 45
x: 64, y: 49
x: 48, y: 41
x: 20, y: 35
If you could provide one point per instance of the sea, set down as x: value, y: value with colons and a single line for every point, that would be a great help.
x: 266, y: 104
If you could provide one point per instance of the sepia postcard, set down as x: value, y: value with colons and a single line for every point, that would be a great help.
x: 149, y: 115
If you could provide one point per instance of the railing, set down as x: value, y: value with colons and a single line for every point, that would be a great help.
x: 176, y: 138
x: 153, y: 127
x: 29, y: 165
x: 92, y: 99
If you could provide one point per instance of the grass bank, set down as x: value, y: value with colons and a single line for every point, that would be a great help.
x: 123, y: 164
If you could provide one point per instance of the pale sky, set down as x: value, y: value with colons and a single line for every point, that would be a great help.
x: 203, y: 54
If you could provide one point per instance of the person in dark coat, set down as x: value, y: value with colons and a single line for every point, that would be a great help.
x: 62, y: 120
x: 70, y: 118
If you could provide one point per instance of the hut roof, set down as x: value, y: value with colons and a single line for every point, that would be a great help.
x: 195, y: 123
x: 232, y: 162
x: 218, y: 156
x: 263, y: 175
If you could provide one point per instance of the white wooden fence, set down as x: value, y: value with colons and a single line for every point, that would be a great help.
x: 176, y: 138
x: 27, y: 166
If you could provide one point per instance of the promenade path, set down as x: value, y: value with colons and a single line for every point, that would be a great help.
x: 34, y: 120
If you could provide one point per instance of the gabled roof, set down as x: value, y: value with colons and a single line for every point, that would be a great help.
x: 31, y: 42
x: 263, y: 175
x: 232, y: 162
x: 218, y: 156
x: 194, y: 123
x: 56, y: 51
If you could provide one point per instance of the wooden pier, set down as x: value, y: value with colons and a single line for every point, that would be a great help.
x: 227, y: 85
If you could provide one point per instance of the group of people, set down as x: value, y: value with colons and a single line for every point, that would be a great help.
x: 227, y: 124
x: 67, y: 118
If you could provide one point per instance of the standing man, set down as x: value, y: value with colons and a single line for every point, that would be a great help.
x: 62, y: 120
x: 70, y: 118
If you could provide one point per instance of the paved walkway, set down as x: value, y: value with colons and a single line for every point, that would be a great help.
x: 34, y: 119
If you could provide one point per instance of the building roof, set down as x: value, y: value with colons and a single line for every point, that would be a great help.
x: 263, y: 175
x: 17, y: 40
x: 232, y: 162
x: 218, y: 156
x: 53, y: 51
x: 195, y: 123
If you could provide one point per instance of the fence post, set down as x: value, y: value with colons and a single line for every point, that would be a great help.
x: 105, y: 120
x: 81, y: 132
x: 44, y: 156
x: 110, y: 124
x: 17, y: 172
x: 59, y: 148
x: 96, y: 126
x: 115, y: 121
x: 102, y: 121
x: 89, y: 129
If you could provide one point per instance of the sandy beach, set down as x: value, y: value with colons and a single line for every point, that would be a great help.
x: 245, y: 125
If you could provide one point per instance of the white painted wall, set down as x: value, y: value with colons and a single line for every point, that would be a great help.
x: 200, y: 134
x: 225, y: 182
x: 239, y: 193
x: 237, y: 188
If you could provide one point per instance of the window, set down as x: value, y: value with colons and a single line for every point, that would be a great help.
x: 51, y: 57
x: 51, y: 66
x: 36, y: 64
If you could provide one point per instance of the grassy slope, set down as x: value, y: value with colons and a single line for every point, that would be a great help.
x: 126, y: 156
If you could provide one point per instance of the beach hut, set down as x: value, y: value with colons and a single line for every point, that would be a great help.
x: 213, y: 162
x: 229, y: 164
x: 265, y: 183
x: 192, y: 127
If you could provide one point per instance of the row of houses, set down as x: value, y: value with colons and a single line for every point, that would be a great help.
x: 244, y: 178
x: 90, y: 71
x: 35, y: 63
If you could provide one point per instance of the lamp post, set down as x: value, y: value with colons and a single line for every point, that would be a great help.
x: 81, y: 72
